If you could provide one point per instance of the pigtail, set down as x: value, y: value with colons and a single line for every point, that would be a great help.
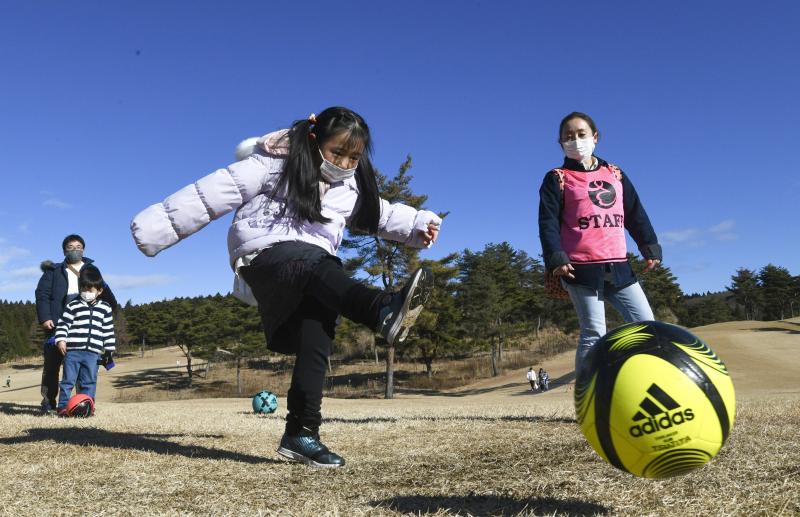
x: 299, y: 181
x: 368, y: 211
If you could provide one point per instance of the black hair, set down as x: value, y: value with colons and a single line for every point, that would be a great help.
x: 300, y: 178
x: 71, y: 238
x: 583, y: 116
x: 88, y: 277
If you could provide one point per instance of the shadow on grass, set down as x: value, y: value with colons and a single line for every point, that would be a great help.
x: 486, y: 505
x: 26, y: 366
x: 473, y: 418
x: 9, y: 408
x: 156, y: 443
x: 360, y: 380
x: 157, y: 378
x: 776, y: 329
x: 460, y: 393
x: 21, y: 388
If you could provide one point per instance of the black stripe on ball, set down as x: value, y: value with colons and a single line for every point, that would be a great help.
x: 684, y: 362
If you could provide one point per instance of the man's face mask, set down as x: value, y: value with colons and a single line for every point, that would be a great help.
x: 73, y: 256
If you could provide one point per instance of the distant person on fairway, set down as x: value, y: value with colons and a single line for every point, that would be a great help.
x: 585, y: 206
x: 544, y: 379
x: 8, y: 381
x: 531, y: 375
x: 294, y: 191
x: 56, y: 288
x: 85, y: 337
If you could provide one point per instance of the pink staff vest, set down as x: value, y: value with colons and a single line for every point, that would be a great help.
x: 593, y: 216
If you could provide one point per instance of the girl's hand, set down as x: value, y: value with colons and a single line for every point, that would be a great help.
x: 565, y: 270
x: 62, y: 347
x: 651, y: 263
x: 430, y: 235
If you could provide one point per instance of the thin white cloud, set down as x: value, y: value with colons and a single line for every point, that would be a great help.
x: 11, y: 253
x: 723, y: 227
x: 56, y: 203
x: 51, y: 200
x: 25, y: 272
x: 680, y: 236
x: 723, y: 231
x: 17, y: 286
x: 131, y: 282
x: 24, y: 228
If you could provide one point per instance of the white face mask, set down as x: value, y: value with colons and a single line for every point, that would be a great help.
x: 579, y: 149
x: 88, y: 296
x: 333, y: 173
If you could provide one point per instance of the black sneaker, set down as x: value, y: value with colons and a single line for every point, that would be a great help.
x: 397, y: 318
x: 308, y: 450
x: 47, y: 408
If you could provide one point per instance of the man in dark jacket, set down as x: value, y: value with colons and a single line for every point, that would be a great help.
x: 57, y: 287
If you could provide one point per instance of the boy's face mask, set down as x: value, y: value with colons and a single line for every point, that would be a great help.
x: 88, y: 296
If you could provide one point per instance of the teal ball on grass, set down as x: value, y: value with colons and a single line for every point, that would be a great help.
x: 265, y: 402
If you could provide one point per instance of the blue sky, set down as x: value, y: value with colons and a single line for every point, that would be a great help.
x: 106, y: 108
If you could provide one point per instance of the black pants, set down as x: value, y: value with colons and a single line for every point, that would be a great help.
x: 317, y: 290
x: 52, y: 364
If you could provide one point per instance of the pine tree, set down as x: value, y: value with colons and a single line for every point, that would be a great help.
x: 383, y: 259
x: 436, y: 332
x: 496, y: 295
x: 776, y: 291
x: 746, y: 292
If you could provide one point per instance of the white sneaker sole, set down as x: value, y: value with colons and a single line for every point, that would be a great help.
x: 418, y: 296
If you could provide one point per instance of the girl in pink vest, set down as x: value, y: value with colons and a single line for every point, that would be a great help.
x: 584, y: 209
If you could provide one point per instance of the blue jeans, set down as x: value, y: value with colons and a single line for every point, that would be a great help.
x: 80, y: 366
x: 630, y: 301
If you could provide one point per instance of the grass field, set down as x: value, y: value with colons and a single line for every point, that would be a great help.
x: 492, y: 448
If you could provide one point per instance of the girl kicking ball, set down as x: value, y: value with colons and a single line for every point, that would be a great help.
x: 294, y: 191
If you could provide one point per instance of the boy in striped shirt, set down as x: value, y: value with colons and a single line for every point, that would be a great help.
x: 84, y: 334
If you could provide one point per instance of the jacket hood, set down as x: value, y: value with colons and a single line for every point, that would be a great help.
x: 49, y: 265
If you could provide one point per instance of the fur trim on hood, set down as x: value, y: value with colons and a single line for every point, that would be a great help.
x: 48, y: 265
x: 275, y: 143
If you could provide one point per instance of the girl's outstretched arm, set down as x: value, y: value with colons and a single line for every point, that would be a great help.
x: 160, y: 226
x: 402, y: 223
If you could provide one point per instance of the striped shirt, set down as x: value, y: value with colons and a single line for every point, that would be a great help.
x: 87, y: 327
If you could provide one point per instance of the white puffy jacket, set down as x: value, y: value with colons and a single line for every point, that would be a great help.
x: 244, y: 186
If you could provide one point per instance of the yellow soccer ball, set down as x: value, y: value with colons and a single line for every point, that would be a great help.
x: 654, y: 400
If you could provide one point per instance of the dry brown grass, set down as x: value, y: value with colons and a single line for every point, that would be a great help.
x: 464, y: 456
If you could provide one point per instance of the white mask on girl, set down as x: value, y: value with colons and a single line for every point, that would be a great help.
x: 579, y: 149
x: 88, y: 296
x: 333, y: 173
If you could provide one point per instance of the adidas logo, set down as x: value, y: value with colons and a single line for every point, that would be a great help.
x: 658, y: 411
